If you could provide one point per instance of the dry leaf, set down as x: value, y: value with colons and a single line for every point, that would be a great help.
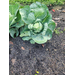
x: 22, y: 48
x: 10, y: 42
x: 29, y: 49
x: 63, y: 11
x: 42, y: 45
x: 56, y: 24
x: 50, y: 4
x: 13, y: 61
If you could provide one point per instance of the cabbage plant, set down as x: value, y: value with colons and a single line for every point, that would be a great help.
x: 15, y: 21
x: 35, y: 23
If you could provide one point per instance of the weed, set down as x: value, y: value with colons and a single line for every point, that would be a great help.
x: 57, y: 31
x: 64, y: 29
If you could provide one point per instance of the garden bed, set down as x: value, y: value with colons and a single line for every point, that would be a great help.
x: 48, y: 59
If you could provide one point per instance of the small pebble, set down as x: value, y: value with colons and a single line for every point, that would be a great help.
x: 56, y: 19
x: 55, y: 49
x: 63, y: 11
x: 47, y: 49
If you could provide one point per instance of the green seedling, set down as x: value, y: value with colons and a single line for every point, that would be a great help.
x: 57, y: 31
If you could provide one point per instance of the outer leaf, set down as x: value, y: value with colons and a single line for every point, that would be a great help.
x: 11, y: 19
x: 32, y: 41
x: 39, y: 4
x: 13, y: 9
x: 39, y: 39
x: 45, y: 29
x: 24, y: 12
x: 30, y: 18
x: 18, y: 24
x: 17, y: 32
x: 12, y: 32
x: 48, y: 18
x: 18, y: 16
x: 33, y: 6
x: 39, y: 13
x: 52, y: 25
x: 26, y: 38
x: 27, y: 16
x: 48, y: 34
x: 23, y: 29
x: 44, y: 6
x: 38, y: 20
x: 26, y: 33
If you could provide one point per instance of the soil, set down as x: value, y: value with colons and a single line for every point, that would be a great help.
x: 48, y: 59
